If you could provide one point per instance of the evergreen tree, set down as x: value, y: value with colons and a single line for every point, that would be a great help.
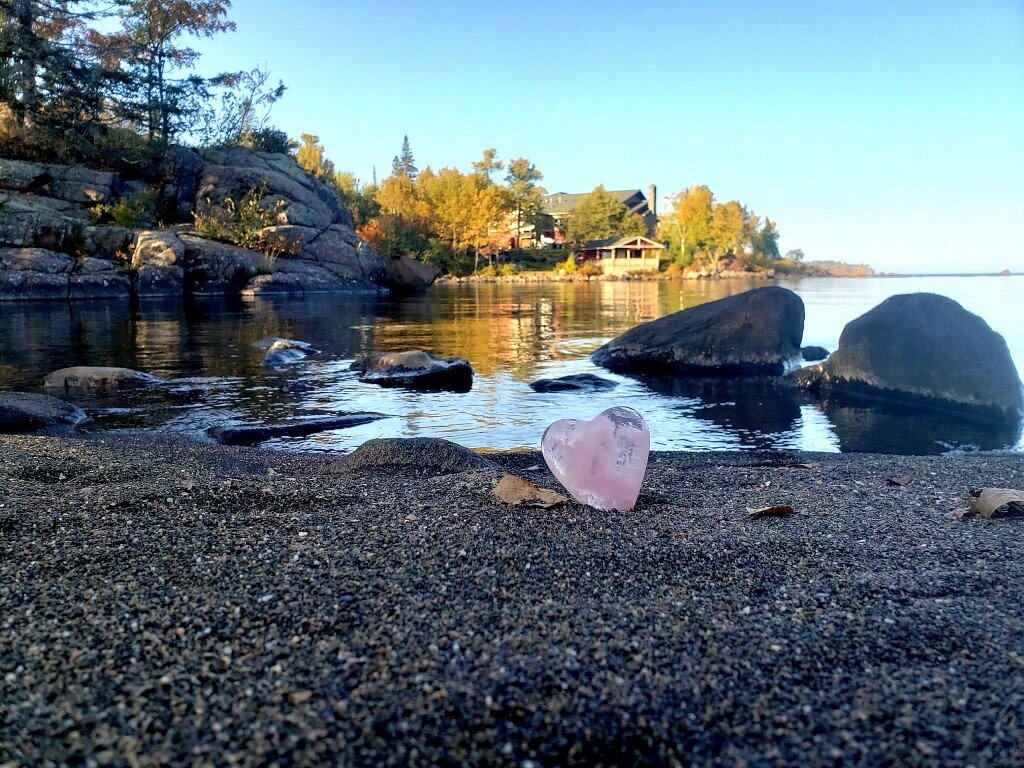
x: 403, y: 164
x: 51, y: 73
x: 161, y: 97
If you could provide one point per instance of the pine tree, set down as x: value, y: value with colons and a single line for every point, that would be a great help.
x: 404, y: 164
x: 162, y: 96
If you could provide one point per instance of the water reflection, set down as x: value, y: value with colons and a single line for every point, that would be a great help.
x: 512, y: 334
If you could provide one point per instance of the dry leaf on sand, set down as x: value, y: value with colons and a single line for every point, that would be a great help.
x: 776, y: 510
x: 518, y: 490
x: 997, y: 502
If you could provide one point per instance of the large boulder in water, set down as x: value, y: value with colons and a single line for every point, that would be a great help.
x: 751, y: 333
x: 415, y: 369
x: 27, y: 412
x: 923, y: 349
x: 405, y: 274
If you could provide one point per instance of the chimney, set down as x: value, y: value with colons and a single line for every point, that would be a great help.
x: 652, y: 199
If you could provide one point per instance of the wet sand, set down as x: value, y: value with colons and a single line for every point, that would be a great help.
x: 167, y: 603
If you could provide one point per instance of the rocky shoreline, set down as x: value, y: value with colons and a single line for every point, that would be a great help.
x: 69, y: 232
x: 170, y: 603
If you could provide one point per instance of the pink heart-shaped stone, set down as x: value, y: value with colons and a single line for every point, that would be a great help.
x: 600, y: 462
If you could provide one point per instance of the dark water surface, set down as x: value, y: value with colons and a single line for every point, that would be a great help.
x: 513, y: 334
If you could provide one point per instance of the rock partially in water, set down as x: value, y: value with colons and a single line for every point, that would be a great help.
x: 757, y: 332
x: 814, y: 354
x: 577, y: 382
x: 282, y: 352
x: 430, y: 455
x: 28, y: 412
x: 925, y: 350
x: 869, y: 426
x: 251, y: 435
x: 99, y: 380
x: 415, y: 369
x: 406, y: 274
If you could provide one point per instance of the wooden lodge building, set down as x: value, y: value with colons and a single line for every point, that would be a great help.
x: 622, y: 255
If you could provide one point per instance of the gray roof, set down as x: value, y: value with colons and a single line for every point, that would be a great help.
x: 564, y: 202
x: 616, y: 241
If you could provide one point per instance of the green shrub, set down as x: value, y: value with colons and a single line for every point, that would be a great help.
x: 242, y: 222
x: 130, y: 212
x: 267, y: 140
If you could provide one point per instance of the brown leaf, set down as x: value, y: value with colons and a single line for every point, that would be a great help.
x: 518, y: 490
x: 299, y: 697
x: 776, y: 510
x: 997, y: 502
x: 901, y: 480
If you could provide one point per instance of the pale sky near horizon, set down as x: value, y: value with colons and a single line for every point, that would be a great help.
x: 888, y: 133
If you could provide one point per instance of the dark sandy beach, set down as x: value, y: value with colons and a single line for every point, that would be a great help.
x: 167, y: 603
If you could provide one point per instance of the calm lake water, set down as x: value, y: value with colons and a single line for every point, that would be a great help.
x: 512, y: 334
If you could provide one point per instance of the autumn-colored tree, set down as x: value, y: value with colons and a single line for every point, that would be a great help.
x: 311, y: 157
x: 599, y: 215
x: 488, y: 164
x: 524, y: 195
x: 728, y: 227
x: 404, y: 219
x: 358, y: 197
x: 687, y: 228
x: 702, y: 231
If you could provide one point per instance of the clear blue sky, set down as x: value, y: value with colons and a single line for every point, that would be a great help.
x: 890, y: 133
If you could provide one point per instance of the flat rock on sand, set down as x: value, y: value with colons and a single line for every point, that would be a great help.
x: 423, y: 455
x: 174, y: 604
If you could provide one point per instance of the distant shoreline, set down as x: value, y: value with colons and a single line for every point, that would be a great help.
x: 555, y: 277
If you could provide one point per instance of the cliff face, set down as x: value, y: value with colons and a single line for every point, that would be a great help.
x: 57, y: 240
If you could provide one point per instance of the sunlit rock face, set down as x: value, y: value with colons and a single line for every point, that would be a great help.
x: 922, y: 350
x: 600, y: 462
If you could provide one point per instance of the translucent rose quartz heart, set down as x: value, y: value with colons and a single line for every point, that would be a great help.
x: 600, y: 462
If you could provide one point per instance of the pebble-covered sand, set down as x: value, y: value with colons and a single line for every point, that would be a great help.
x: 168, y: 603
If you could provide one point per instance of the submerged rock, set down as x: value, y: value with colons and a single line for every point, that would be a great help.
x: 922, y: 349
x: 814, y: 354
x: 415, y: 369
x: 577, y: 382
x: 282, y: 352
x: 751, y: 333
x: 99, y: 380
x: 251, y: 435
x: 27, y: 412
x: 427, y: 454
